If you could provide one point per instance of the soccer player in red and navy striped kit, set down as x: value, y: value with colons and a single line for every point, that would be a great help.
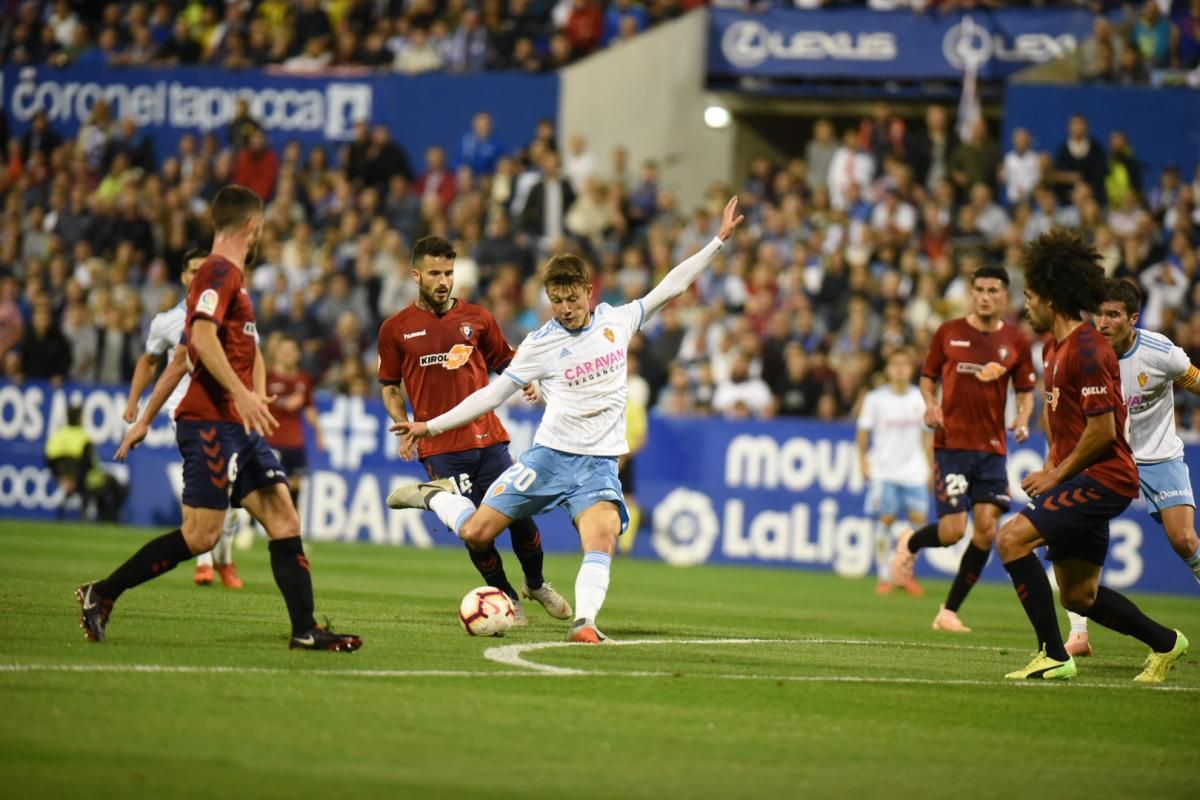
x: 441, y: 349
x: 219, y: 428
x: 1090, y: 476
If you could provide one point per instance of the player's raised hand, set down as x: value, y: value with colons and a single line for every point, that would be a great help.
x: 254, y: 409
x: 730, y: 219
x: 933, y: 417
x: 133, y: 437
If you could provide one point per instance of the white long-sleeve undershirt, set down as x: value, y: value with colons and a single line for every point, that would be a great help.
x: 675, y: 282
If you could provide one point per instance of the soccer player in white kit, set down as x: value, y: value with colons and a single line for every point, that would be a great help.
x: 579, y: 357
x: 166, y: 329
x: 1151, y: 367
x: 894, y: 449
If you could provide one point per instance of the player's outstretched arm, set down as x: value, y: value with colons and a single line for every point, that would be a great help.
x: 1189, y: 381
x: 143, y: 373
x: 252, y: 407
x: 166, y: 384
x: 682, y: 276
x: 476, y: 405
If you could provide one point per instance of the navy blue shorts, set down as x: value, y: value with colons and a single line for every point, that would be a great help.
x: 965, y: 478
x: 222, y: 463
x: 473, y: 471
x: 1073, y: 519
x: 293, y: 459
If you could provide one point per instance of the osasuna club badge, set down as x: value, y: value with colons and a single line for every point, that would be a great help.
x: 467, y: 329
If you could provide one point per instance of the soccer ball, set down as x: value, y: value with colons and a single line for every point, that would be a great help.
x: 486, y: 611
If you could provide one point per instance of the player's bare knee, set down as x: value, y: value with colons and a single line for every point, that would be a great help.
x: 1009, y: 544
x: 1078, y: 598
x: 950, y: 530
x: 201, y: 539
x: 285, y: 524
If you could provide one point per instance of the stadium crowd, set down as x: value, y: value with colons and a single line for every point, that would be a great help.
x: 859, y: 242
x: 415, y: 36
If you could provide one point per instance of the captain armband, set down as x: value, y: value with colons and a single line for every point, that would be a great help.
x: 1189, y: 379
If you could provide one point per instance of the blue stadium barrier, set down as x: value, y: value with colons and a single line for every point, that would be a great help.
x: 900, y: 45
x: 780, y: 494
x: 421, y: 111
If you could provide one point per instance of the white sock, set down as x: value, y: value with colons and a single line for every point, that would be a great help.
x: 1078, y: 622
x: 883, y: 552
x: 204, y: 559
x: 591, y: 584
x: 451, y: 509
x: 222, y: 553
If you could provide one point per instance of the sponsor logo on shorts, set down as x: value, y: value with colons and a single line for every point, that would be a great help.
x: 455, y: 358
x: 1169, y: 493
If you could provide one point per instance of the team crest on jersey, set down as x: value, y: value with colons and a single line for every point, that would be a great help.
x: 1003, y: 353
x: 608, y: 334
x: 1052, y: 399
x: 467, y: 329
x: 1142, y: 380
x: 455, y: 358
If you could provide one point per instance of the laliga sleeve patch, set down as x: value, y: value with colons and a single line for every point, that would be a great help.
x: 207, y: 304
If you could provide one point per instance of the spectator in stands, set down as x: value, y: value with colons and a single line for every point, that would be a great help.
x: 851, y: 165
x: 45, y: 351
x: 257, y: 166
x: 977, y: 160
x: 385, y: 159
x: 1079, y: 158
x: 543, y: 216
x: 243, y: 126
x: 181, y: 48
x: 468, y: 48
x: 311, y: 23
x: 12, y: 323
x: 481, y: 148
x: 818, y: 154
x: 619, y: 11
x: 585, y: 26
x: 418, y: 54
x: 40, y: 138
x: 1155, y: 37
x: 740, y: 395
x: 1022, y: 170
x: 1131, y: 68
x: 436, y: 186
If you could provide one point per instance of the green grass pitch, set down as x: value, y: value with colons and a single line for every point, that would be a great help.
x: 853, y: 696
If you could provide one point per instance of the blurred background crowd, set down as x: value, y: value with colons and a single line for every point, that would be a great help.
x: 860, y: 242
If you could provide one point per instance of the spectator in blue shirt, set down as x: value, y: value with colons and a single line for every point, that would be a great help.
x: 618, y: 11
x: 480, y: 148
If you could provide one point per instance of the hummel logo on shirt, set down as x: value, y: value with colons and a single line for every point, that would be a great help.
x: 960, y: 343
x: 413, y: 335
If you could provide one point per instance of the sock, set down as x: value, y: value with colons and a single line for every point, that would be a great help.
x: 591, y: 585
x: 1033, y: 589
x: 1078, y: 623
x: 223, y: 552
x: 969, y: 569
x: 491, y: 567
x: 156, y: 557
x: 451, y: 509
x: 293, y: 576
x: 205, y: 559
x: 527, y: 544
x: 883, y: 552
x: 925, y: 537
x: 1193, y: 561
x: 1114, y: 610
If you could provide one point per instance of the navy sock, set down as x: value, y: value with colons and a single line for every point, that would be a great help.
x: 969, y: 569
x: 156, y: 557
x: 293, y: 576
x: 491, y: 567
x: 527, y: 544
x: 1033, y: 589
x: 1116, y: 611
x: 925, y: 537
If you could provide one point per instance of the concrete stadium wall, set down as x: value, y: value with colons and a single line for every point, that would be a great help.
x: 648, y: 95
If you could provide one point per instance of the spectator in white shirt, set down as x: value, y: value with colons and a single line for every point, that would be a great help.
x: 1166, y: 286
x: 579, y: 164
x: 1022, y: 168
x: 741, y: 396
x: 893, y: 215
x: 850, y: 165
x: 989, y: 217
